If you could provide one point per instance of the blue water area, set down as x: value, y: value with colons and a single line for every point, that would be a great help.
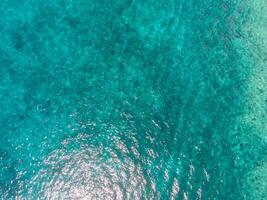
x: 133, y: 99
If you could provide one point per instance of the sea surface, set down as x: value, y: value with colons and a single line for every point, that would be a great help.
x: 133, y: 99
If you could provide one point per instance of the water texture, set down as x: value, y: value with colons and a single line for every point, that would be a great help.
x: 133, y: 99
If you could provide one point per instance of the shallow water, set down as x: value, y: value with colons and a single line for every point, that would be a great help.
x: 133, y: 99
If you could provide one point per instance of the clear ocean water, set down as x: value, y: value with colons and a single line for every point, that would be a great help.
x: 133, y: 99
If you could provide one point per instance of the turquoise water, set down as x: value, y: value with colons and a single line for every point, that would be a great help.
x: 133, y: 99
